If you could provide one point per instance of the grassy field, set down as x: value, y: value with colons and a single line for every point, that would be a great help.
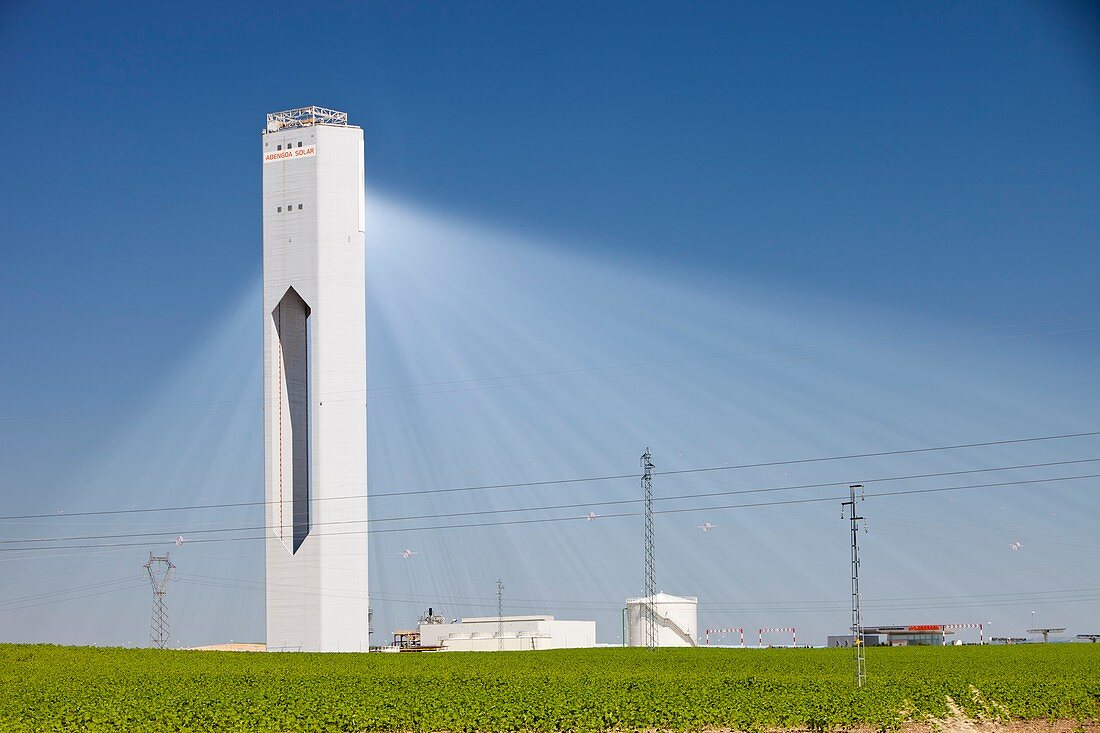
x: 45, y: 688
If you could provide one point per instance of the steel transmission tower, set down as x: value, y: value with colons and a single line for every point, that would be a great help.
x: 857, y: 614
x: 500, y: 615
x: 650, y: 565
x: 159, y: 569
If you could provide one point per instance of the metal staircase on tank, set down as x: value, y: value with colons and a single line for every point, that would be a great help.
x: 675, y: 628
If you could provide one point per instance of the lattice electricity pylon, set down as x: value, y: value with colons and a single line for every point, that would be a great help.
x: 857, y: 614
x: 159, y: 569
x: 500, y: 615
x: 650, y: 564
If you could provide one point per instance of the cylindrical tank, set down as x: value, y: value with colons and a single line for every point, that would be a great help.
x: 677, y: 620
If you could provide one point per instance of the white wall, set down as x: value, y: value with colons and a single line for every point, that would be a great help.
x: 573, y: 634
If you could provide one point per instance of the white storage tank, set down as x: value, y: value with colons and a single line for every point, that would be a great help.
x: 677, y: 620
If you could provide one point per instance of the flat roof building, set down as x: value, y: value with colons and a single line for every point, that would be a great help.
x: 508, y: 633
x: 918, y: 635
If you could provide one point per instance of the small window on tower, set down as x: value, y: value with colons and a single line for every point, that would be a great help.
x: 278, y: 147
x: 299, y: 143
x: 279, y: 210
x: 299, y: 207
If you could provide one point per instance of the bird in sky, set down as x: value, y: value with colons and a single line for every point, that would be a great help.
x: 707, y: 526
x: 180, y: 540
x: 1016, y: 545
x: 590, y: 516
x: 407, y: 553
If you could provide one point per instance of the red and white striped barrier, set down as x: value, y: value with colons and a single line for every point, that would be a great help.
x: 794, y: 634
x: 953, y: 627
x: 708, y: 632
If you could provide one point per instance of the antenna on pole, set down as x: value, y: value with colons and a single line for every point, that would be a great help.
x: 650, y: 565
x: 857, y: 615
x: 159, y: 569
x: 500, y: 615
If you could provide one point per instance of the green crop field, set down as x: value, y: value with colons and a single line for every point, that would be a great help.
x: 45, y: 688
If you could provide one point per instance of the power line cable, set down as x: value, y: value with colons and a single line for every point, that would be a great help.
x: 577, y: 505
x: 738, y: 506
x: 552, y: 482
x: 242, y: 582
x: 545, y: 520
x: 1070, y: 595
x: 64, y: 591
x: 136, y: 584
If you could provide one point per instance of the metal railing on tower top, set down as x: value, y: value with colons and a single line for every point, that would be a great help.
x: 304, y: 117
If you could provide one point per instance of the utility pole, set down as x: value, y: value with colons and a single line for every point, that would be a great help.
x: 857, y: 616
x: 500, y: 615
x: 159, y: 570
x: 650, y: 565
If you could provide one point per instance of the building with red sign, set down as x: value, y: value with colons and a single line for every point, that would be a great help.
x: 913, y: 635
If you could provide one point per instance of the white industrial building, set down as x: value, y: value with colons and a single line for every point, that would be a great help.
x: 677, y: 620
x: 315, y: 428
x: 508, y: 633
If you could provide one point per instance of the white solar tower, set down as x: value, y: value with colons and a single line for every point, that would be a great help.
x: 315, y: 428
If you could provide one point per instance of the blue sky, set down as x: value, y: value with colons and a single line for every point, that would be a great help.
x: 734, y: 233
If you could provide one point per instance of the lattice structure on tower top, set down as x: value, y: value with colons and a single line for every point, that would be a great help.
x: 305, y: 117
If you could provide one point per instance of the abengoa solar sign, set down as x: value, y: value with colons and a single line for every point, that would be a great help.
x: 276, y: 155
